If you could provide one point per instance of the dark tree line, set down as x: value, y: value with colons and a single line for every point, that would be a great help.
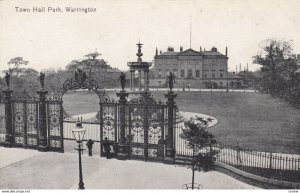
x: 26, y: 80
x: 278, y: 73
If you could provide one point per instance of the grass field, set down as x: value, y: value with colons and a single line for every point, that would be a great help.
x: 255, y: 120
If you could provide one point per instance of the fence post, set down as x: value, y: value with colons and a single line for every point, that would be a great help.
x: 43, y: 145
x: 238, y: 155
x: 170, y: 151
x: 123, y: 148
x: 8, y: 117
x: 270, y: 165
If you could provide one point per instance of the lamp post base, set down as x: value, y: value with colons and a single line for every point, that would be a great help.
x: 81, y: 186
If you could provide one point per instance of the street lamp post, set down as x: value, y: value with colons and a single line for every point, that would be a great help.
x: 79, y: 133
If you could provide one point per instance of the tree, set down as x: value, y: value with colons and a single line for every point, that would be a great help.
x: 103, y: 73
x: 17, y: 62
x: 278, y: 65
x: 27, y: 81
x: 198, y: 138
x: 93, y: 55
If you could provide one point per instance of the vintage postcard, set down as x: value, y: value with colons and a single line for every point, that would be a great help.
x: 160, y: 94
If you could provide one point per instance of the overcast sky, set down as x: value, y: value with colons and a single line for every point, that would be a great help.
x: 54, y: 39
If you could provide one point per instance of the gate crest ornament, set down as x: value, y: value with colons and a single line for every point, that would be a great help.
x: 80, y: 81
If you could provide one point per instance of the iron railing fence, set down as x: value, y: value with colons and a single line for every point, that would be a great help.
x: 285, y: 167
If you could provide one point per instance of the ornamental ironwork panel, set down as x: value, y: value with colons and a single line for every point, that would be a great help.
x: 155, y: 131
x: 32, y: 118
x: 109, y: 121
x: 25, y: 124
x: 137, y: 124
x: 55, y: 124
x: 19, y: 117
x: 138, y: 144
x: 156, y: 118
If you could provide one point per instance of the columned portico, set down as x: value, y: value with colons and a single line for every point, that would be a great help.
x: 140, y: 67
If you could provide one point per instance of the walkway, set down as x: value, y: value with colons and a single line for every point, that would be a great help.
x: 29, y: 169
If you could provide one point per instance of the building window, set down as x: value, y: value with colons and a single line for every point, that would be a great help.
x: 190, y: 73
x: 167, y: 72
x: 182, y: 74
x: 221, y: 74
x: 197, y: 73
x: 175, y: 72
x: 205, y: 75
x: 213, y: 75
x: 159, y: 74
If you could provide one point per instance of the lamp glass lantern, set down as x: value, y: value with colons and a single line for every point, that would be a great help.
x: 78, y: 132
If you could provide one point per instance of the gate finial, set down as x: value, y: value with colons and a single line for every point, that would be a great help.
x: 7, y: 79
x: 42, y: 79
x: 122, y: 80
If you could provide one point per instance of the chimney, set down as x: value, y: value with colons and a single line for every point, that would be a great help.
x: 170, y: 49
x: 181, y: 49
x: 160, y: 52
x: 200, y: 48
x: 236, y: 69
x: 247, y: 67
x: 240, y: 67
x: 214, y: 49
x: 156, y: 52
x: 226, y: 51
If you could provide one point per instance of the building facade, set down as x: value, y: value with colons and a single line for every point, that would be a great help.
x: 191, y: 67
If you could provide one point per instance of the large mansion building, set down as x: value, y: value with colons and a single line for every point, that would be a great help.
x: 192, y: 67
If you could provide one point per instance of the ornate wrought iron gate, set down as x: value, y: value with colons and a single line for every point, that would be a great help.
x: 109, y: 122
x: 25, y: 123
x: 55, y: 124
x: 146, y: 126
x: 144, y: 131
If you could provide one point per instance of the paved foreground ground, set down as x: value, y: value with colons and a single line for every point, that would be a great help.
x: 30, y: 169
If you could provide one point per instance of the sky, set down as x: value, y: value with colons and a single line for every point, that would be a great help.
x: 53, y: 39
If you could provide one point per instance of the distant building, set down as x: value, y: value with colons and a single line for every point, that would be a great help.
x: 192, y: 67
x: 298, y: 63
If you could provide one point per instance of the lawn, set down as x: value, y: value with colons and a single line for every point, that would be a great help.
x: 77, y: 103
x: 255, y: 120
